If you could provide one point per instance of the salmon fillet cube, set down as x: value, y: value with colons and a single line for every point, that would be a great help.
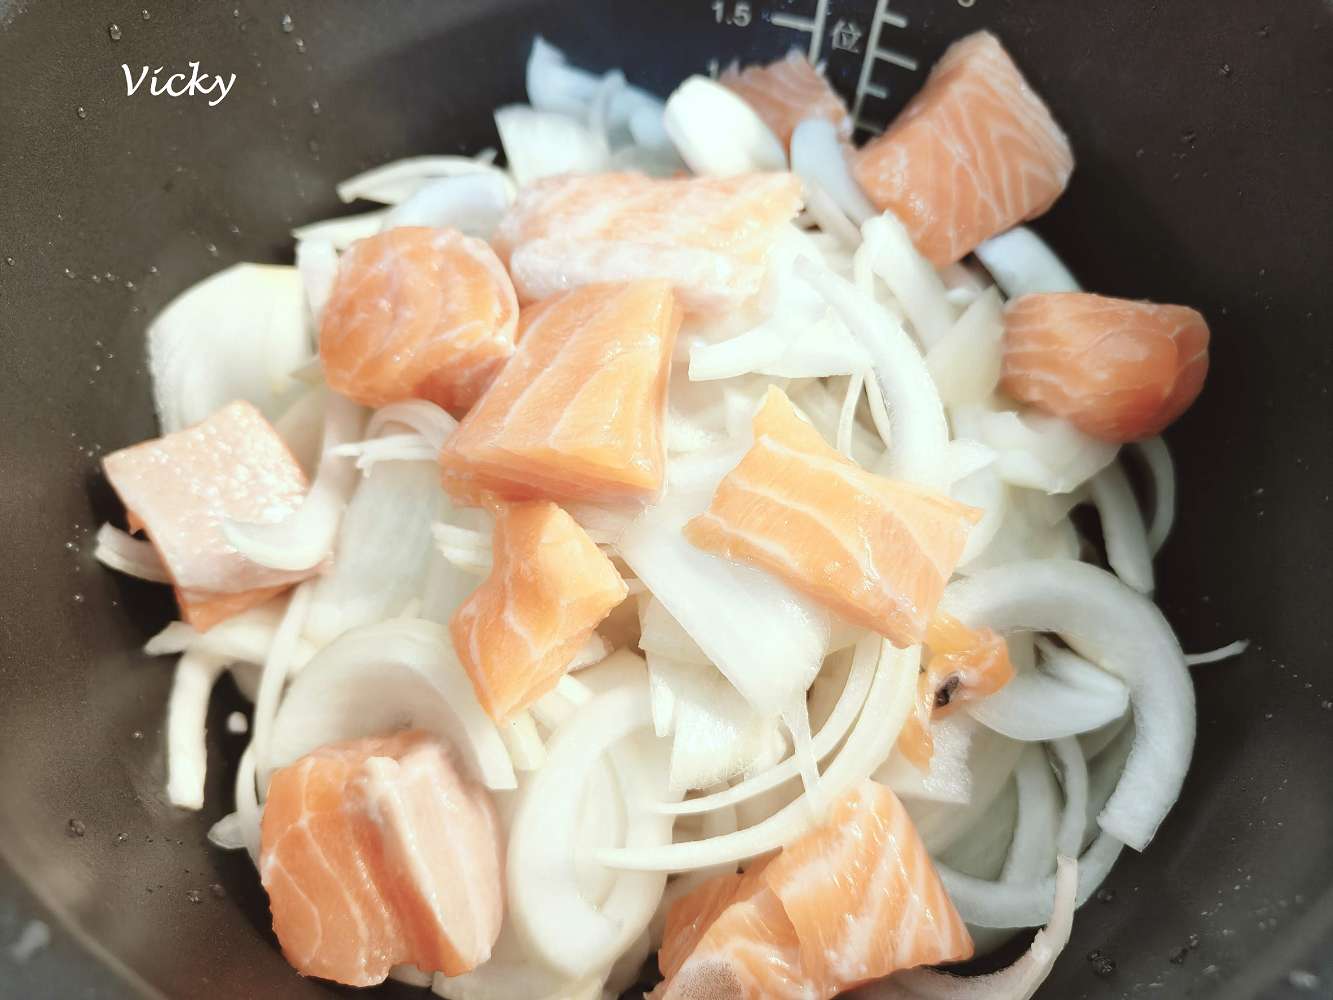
x: 1116, y: 369
x: 181, y: 487
x: 855, y: 899
x: 417, y: 313
x: 974, y: 153
x: 708, y: 236
x: 875, y: 551
x: 578, y: 413
x: 378, y: 852
x: 550, y: 586
x: 786, y: 92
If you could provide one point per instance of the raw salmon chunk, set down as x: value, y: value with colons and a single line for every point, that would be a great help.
x: 709, y: 236
x: 974, y: 153
x: 417, y: 313
x: 855, y: 899
x: 578, y: 413
x: 180, y: 488
x: 964, y: 664
x: 1116, y: 369
x: 875, y: 551
x: 787, y: 92
x: 378, y: 852
x: 549, y: 587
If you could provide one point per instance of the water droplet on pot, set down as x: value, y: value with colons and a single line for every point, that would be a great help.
x: 1303, y: 980
x: 138, y: 735
x: 314, y: 106
x: 1104, y: 966
x: 286, y: 23
x: 75, y: 828
x: 1224, y: 69
x: 97, y: 278
x: 1105, y: 895
x: 78, y: 598
x: 145, y: 15
x: 9, y: 261
x: 212, y: 249
x: 114, y: 31
x: 82, y: 112
x: 217, y: 890
x: 300, y: 45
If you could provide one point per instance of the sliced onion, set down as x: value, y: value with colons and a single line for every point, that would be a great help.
x: 887, y: 704
x: 717, y: 134
x: 317, y: 264
x: 1125, y: 634
x: 305, y: 538
x: 1074, y: 780
x: 920, y: 432
x: 1163, y: 472
x: 1041, y: 452
x: 765, y: 638
x: 514, y: 971
x: 554, y: 84
x: 1021, y: 263
x: 550, y: 913
x: 341, y: 232
x: 1025, y: 532
x: 124, y: 553
x: 1019, y: 981
x: 523, y: 742
x: 986, y: 491
x: 277, y: 668
x: 965, y: 362
x: 187, y: 755
x: 541, y: 144
x: 235, y: 335
x: 662, y: 635
x: 383, y: 551
x: 472, y: 203
x: 818, y: 157
x: 981, y: 851
x: 396, y: 182
x: 464, y: 548
x: 831, y: 733
x: 991, y: 759
x: 889, y: 252
x: 422, y: 416
x: 1036, y: 706
x: 227, y: 833
x: 377, y: 678
x: 796, y: 341
x: 301, y: 426
x: 826, y: 214
x: 389, y: 448
x: 827, y: 414
x: 1217, y: 655
x: 1128, y: 549
x: 948, y: 778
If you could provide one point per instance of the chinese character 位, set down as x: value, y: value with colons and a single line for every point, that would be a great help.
x: 847, y: 36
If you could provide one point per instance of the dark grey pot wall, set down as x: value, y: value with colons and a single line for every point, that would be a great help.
x: 1203, y: 130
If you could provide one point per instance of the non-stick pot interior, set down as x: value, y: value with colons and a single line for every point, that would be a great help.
x: 1203, y: 132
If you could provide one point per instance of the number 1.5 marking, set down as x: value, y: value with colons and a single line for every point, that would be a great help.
x: 740, y: 13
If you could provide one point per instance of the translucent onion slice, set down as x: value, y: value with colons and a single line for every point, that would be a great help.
x: 390, y: 448
x: 317, y: 264
x: 826, y: 214
x: 717, y: 134
x: 1021, y: 263
x: 1019, y: 981
x: 1125, y: 634
x: 819, y: 158
x: 886, y: 706
x: 472, y: 203
x: 991, y: 760
x: 187, y: 708
x: 888, y: 250
x: 235, y: 335
x: 422, y: 416
x: 1163, y: 473
x: 383, y: 550
x: 396, y: 674
x: 301, y: 426
x: 920, y: 432
x: 305, y: 538
x: 985, y: 490
x: 126, y: 554
x: 662, y: 635
x: 607, y: 101
x: 341, y: 232
x: 1036, y: 706
x: 552, y: 916
x: 396, y: 182
x: 981, y: 851
x: 1040, y: 451
x: 765, y: 638
x: 965, y: 362
x: 1226, y: 652
x: 948, y: 778
x: 1068, y: 754
x: 541, y: 144
x: 1128, y: 548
